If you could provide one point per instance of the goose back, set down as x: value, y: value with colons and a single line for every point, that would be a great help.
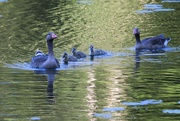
x: 96, y: 52
x: 78, y: 54
x: 68, y: 58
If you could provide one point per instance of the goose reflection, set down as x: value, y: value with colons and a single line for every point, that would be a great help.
x: 50, y: 75
x: 137, y: 60
x: 153, y: 55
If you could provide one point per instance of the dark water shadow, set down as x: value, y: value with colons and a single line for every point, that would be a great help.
x: 50, y: 75
x: 151, y: 56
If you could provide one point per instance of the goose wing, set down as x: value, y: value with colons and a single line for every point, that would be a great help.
x: 80, y: 54
x: 156, y: 40
x: 37, y: 61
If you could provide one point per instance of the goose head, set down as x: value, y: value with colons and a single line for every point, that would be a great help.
x: 51, y: 36
x: 136, y: 31
x: 65, y: 57
x: 73, y: 50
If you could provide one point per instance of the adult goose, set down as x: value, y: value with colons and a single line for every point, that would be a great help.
x: 96, y: 52
x: 78, y: 54
x: 46, y: 61
x: 68, y: 58
x: 155, y: 42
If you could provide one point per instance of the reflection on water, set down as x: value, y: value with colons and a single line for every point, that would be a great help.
x: 172, y: 111
x: 144, y: 102
x: 50, y: 75
x: 103, y: 115
x: 3, y: 0
x: 124, y: 85
x: 113, y: 109
x: 150, y: 8
x: 171, y: 1
x: 85, y: 2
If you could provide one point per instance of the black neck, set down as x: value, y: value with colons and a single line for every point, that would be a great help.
x: 137, y: 36
x: 66, y: 60
x: 50, y: 48
x: 92, y: 51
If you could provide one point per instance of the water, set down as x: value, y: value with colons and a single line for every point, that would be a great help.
x: 124, y: 85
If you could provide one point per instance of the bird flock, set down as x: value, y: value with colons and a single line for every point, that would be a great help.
x: 48, y: 61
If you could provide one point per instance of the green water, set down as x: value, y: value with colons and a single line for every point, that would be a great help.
x: 120, y: 86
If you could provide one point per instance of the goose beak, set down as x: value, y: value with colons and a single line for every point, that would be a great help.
x: 54, y: 36
x: 134, y: 32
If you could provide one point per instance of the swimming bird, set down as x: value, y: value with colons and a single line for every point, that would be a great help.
x: 38, y: 52
x: 78, y: 54
x: 68, y: 58
x: 47, y: 61
x: 155, y: 42
x: 96, y: 52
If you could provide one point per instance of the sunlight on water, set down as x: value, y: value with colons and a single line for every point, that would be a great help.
x: 126, y: 84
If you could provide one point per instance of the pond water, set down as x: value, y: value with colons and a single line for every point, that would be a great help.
x: 123, y: 85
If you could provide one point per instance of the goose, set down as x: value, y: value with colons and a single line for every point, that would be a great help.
x: 47, y: 61
x: 78, y: 54
x: 68, y: 58
x: 39, y: 52
x: 155, y: 42
x: 96, y: 52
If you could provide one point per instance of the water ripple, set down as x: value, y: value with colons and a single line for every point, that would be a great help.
x: 144, y: 102
x: 171, y: 111
x: 103, y: 115
x: 171, y: 1
x: 114, y: 109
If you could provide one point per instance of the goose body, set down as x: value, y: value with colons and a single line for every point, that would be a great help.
x: 78, y: 54
x: 68, y: 58
x: 47, y: 61
x: 155, y: 42
x: 96, y: 52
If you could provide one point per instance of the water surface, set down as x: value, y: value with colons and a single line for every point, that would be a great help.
x: 123, y: 85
